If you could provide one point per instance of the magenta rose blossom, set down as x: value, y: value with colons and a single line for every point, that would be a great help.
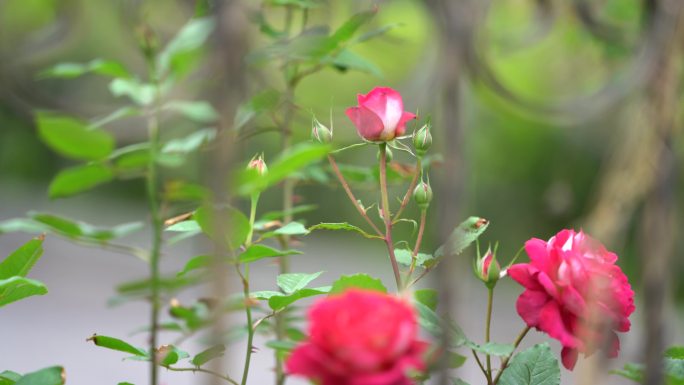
x: 380, y: 115
x: 575, y: 293
x: 359, y: 338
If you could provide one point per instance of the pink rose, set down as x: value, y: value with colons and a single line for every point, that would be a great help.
x: 380, y: 115
x: 575, y: 293
x: 359, y: 338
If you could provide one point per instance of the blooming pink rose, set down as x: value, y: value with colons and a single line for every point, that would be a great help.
x: 575, y: 293
x: 359, y: 338
x: 380, y: 115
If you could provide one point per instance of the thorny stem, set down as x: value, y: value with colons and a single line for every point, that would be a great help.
x: 207, y: 371
x: 407, y: 196
x: 504, y: 363
x: 419, y: 239
x: 490, y: 300
x: 350, y: 194
x: 245, y: 287
x: 386, y: 215
x: 157, y: 226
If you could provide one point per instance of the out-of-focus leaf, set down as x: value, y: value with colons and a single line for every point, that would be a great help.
x: 178, y: 190
x: 185, y: 226
x: 208, y: 355
x: 198, y: 111
x: 122, y: 112
x: 9, y: 377
x: 458, y: 381
x: 348, y: 60
x: 634, y: 372
x: 349, y: 28
x: 404, y: 257
x: 261, y: 102
x: 257, y: 252
x: 248, y: 181
x: 54, y: 375
x: 166, y: 284
x: 264, y: 294
x: 292, y: 228
x: 198, y: 262
x: 195, y: 316
x: 463, y: 236
x: 181, y: 49
x: 78, y: 179
x: 97, y: 66
x: 72, y: 138
x: 20, y: 262
x: 297, y: 3
x: 342, y: 226
x: 675, y: 352
x: 292, y: 282
x: 278, y: 302
x: 15, y: 288
x: 534, y: 366
x: 77, y: 229
x: 233, y: 222
x: 117, y: 344
x: 456, y: 360
x: 272, y: 215
x: 492, y: 348
x: 433, y: 324
x: 191, y: 142
x: 141, y: 93
x: 170, y: 354
x: 357, y: 281
x: 376, y: 32
x: 24, y: 225
x: 283, y: 346
x: 427, y: 297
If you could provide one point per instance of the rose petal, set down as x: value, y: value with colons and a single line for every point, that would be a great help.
x: 569, y: 358
x: 529, y: 306
x: 401, y: 126
x: 367, y: 123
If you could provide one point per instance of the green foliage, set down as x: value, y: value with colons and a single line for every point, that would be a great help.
x: 78, y: 179
x: 257, y: 252
x: 208, y: 355
x: 170, y: 354
x: 463, y: 236
x: 195, y: 263
x: 72, y: 138
x: 191, y: 142
x: 97, y: 66
x: 673, y: 366
x: 427, y: 297
x: 9, y: 377
x: 80, y: 230
x: 534, y: 366
x: 404, y: 257
x: 198, y: 111
x: 181, y: 52
x: 20, y: 261
x: 492, y: 348
x: 277, y: 302
x: 357, y: 281
x: 292, y: 282
x: 118, y: 345
x: 342, y: 226
x: 263, y: 101
x: 141, y: 93
x: 232, y: 222
x: 54, y: 375
x: 16, y: 288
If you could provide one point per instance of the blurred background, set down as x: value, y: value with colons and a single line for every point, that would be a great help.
x: 548, y: 115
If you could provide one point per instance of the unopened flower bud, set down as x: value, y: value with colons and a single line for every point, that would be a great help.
x: 388, y: 155
x: 422, y: 140
x: 320, y: 133
x: 422, y: 194
x: 488, y: 269
x: 257, y: 163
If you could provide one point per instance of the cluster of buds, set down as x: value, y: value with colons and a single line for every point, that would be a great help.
x: 487, y: 268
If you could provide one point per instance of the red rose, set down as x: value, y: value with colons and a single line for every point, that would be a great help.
x: 359, y: 338
x: 380, y: 115
x: 575, y: 293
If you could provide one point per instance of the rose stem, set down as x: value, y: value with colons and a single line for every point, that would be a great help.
x: 350, y: 194
x: 386, y: 216
x: 245, y: 291
x: 490, y: 300
x: 479, y: 363
x: 419, y: 239
x: 504, y: 363
x: 409, y: 192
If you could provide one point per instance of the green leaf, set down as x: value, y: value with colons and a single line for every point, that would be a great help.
x: 191, y: 142
x: 185, y: 226
x: 20, y: 262
x: 9, y: 377
x: 198, y: 111
x: 141, y: 93
x: 463, y: 236
x: 675, y: 352
x: 97, y: 66
x: 292, y: 282
x: 72, y: 138
x: 208, y: 355
x: 283, y: 346
x: 492, y: 348
x: 78, y: 179
x: 278, y: 302
x: 54, y: 375
x: 120, y: 113
x: 458, y: 381
x: 181, y: 48
x: 433, y: 323
x: 24, y: 225
x: 125, y: 383
x: 292, y: 228
x: 427, y: 297
x: 342, y: 226
x: 117, y: 344
x: 198, y: 262
x: 248, y: 181
x: 456, y: 360
x: 233, y: 222
x: 264, y: 294
x: 264, y: 101
x: 15, y: 288
x: 349, y: 28
x: 170, y: 354
x: 257, y: 252
x: 404, y: 257
x: 273, y: 215
x: 357, y: 281
x: 634, y: 372
x: 534, y: 366
x: 348, y: 60
x: 81, y: 230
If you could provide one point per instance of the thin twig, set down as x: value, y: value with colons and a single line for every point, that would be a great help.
x: 207, y: 371
x: 479, y: 363
x: 387, y: 216
x: 504, y: 363
x: 419, y: 239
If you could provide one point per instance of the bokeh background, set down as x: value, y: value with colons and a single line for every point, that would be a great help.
x: 561, y: 123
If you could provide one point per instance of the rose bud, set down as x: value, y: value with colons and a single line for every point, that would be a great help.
x: 320, y: 133
x: 257, y: 163
x: 422, y: 140
x: 575, y: 293
x: 488, y: 269
x: 380, y: 115
x: 360, y: 337
x: 422, y: 195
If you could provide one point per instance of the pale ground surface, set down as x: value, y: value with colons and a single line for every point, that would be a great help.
x: 52, y: 329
